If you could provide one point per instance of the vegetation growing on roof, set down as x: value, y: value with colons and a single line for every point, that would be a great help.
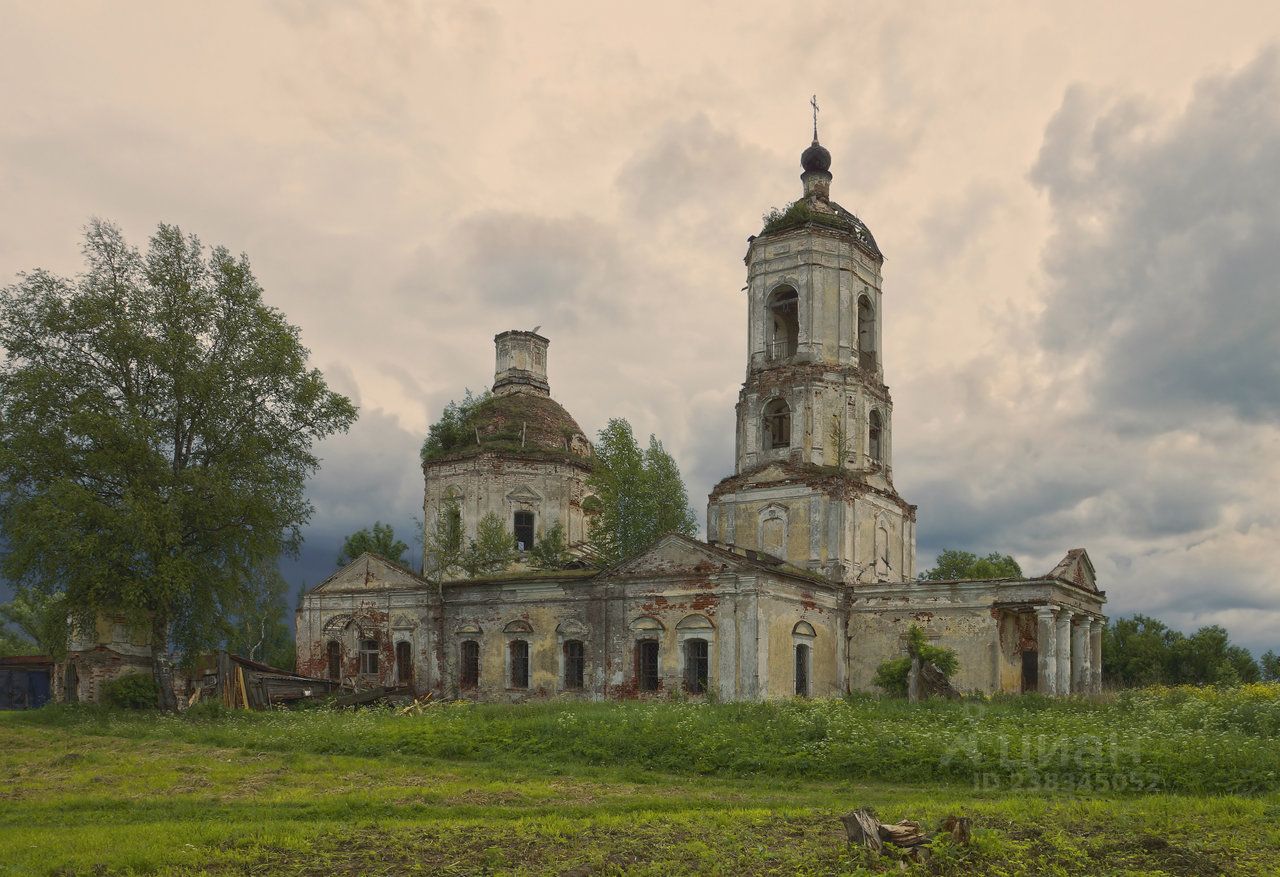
x: 798, y: 213
x: 454, y: 430
x: 522, y: 423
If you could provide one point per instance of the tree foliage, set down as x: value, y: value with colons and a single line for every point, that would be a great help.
x: 492, y: 551
x: 953, y: 564
x: 892, y: 676
x: 1144, y: 651
x: 1270, y: 666
x: 379, y: 540
x: 641, y: 494
x: 42, y: 618
x: 444, y: 546
x: 135, y: 691
x: 551, y: 551
x: 156, y: 426
x: 454, y: 429
x: 14, y: 643
x: 262, y: 630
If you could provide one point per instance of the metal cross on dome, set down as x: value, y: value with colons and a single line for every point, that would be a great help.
x: 814, y: 103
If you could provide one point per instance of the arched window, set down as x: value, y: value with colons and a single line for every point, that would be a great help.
x: 866, y: 333
x: 574, y: 663
x: 695, y: 666
x: 777, y: 424
x: 335, y: 659
x: 519, y: 663
x: 449, y: 520
x: 802, y: 670
x: 802, y: 637
x: 404, y: 662
x: 469, y: 665
x: 873, y: 436
x: 647, y: 677
x: 524, y: 531
x: 784, y: 323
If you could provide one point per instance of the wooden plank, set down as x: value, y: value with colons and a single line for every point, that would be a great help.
x: 244, y: 695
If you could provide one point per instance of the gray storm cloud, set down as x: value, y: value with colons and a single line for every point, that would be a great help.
x: 1080, y: 318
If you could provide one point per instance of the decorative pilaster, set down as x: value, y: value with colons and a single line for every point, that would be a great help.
x: 1064, y: 652
x: 1046, y: 642
x: 1095, y: 654
x: 1080, y: 657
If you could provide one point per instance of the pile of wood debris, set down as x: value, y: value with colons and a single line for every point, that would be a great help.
x: 867, y: 831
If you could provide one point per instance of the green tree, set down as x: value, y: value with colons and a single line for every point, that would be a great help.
x: 1270, y: 666
x: 156, y: 428
x: 1137, y: 651
x: 551, y: 551
x: 444, y: 545
x: 260, y: 630
x: 1207, y: 657
x: 493, y: 549
x: 641, y: 494
x: 953, y: 564
x: 892, y: 676
x: 41, y: 617
x: 14, y: 643
x: 454, y: 429
x: 379, y: 540
x: 1145, y: 651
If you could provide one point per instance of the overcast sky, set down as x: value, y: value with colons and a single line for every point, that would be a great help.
x: 1079, y: 206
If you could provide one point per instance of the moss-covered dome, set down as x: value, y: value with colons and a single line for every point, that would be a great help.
x: 529, y: 424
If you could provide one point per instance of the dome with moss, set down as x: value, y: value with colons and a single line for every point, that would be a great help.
x: 517, y: 417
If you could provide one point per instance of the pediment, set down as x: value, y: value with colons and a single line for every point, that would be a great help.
x: 675, y: 555
x: 369, y: 573
x: 1077, y: 568
x: 524, y: 493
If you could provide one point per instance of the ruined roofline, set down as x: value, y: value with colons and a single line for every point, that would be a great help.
x: 843, y: 225
x: 787, y: 372
x: 774, y: 565
x: 531, y: 455
x: 926, y: 584
x: 364, y: 555
x: 809, y: 475
x: 547, y: 575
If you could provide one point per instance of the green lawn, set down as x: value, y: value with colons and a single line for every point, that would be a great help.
x: 536, y: 789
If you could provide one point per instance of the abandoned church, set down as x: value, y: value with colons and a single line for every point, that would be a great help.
x: 807, y: 580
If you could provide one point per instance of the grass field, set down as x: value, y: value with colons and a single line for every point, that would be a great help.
x: 1174, y: 782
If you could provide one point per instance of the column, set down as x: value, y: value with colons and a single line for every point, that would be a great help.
x: 1080, y: 676
x: 1064, y: 652
x: 1095, y: 655
x: 1046, y: 642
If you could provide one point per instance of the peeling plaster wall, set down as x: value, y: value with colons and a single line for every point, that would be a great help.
x: 813, y: 523
x: 504, y: 484
x: 780, y: 612
x: 963, y: 616
x: 825, y: 502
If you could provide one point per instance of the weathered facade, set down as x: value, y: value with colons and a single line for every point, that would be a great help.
x: 114, y: 647
x: 807, y: 581
x: 529, y: 461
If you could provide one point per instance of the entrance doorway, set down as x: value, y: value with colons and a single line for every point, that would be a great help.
x: 1030, y: 670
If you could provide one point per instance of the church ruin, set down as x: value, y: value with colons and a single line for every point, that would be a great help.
x: 806, y: 582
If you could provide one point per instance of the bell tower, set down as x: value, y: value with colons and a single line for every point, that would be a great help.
x: 813, y: 483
